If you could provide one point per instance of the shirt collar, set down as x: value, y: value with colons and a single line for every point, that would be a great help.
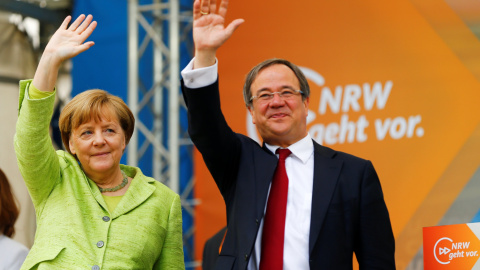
x: 302, y: 149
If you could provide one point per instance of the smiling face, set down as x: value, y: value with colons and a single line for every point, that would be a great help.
x: 98, y: 144
x: 279, y: 121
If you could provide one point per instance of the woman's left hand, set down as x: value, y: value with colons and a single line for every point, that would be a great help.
x: 67, y: 42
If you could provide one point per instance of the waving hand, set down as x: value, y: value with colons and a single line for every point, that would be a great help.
x: 209, y: 31
x: 67, y: 42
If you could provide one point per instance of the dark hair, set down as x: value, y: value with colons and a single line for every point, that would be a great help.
x: 8, y: 207
x: 94, y: 104
x: 252, y: 75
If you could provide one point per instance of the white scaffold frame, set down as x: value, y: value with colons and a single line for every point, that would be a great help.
x: 154, y: 18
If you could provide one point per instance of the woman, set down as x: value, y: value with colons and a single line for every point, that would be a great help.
x: 92, y: 212
x: 12, y: 253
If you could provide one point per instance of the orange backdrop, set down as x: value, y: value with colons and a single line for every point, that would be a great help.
x: 395, y: 82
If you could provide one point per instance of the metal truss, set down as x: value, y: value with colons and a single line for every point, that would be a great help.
x: 157, y: 31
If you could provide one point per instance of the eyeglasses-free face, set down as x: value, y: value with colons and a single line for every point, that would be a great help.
x: 280, y: 119
x: 99, y: 146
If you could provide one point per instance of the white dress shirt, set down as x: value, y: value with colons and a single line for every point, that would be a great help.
x: 299, y: 167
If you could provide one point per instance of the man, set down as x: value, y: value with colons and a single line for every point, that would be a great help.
x: 313, y: 207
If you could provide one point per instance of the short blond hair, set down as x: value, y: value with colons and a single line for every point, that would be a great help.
x: 94, y: 104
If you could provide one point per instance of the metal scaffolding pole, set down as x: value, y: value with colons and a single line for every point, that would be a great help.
x: 165, y: 68
x: 174, y: 104
x: 156, y: 32
x: 133, y: 77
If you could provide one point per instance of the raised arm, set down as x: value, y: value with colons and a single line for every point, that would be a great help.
x: 67, y: 42
x: 36, y: 156
x: 209, y: 31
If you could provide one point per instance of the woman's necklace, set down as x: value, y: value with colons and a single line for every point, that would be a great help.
x: 113, y: 189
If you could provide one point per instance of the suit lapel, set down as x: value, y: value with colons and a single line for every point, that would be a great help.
x: 96, y: 192
x: 325, y: 176
x: 265, y: 166
x: 138, y: 191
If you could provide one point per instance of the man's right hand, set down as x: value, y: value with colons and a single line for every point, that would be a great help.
x: 209, y: 31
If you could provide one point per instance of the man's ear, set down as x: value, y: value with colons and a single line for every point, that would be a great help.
x: 305, y: 103
x: 250, y: 110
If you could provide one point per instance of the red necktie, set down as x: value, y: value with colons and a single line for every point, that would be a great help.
x: 273, y: 236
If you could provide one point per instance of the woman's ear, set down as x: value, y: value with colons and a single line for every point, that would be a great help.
x: 71, y: 146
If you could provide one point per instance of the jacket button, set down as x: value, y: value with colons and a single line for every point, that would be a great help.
x: 246, y: 257
x: 256, y: 221
x: 95, y: 267
x: 106, y: 219
x: 100, y: 244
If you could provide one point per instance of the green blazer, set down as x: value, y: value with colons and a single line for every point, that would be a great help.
x: 75, y: 230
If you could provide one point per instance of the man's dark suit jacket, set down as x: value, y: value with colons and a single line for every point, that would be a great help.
x: 348, y: 210
x: 211, y: 250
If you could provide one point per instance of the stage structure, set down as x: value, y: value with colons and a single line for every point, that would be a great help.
x: 161, y: 137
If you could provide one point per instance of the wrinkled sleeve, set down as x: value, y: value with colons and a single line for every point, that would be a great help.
x: 36, y: 156
x: 172, y: 251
